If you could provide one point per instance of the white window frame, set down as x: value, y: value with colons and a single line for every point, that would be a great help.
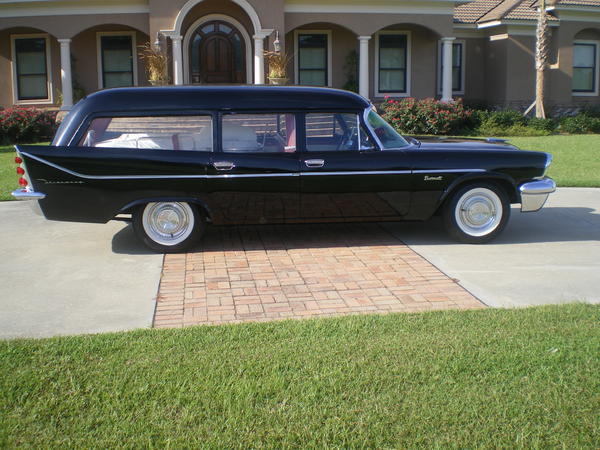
x: 462, y: 63
x: 15, y: 83
x: 408, y: 35
x: 99, y: 35
x: 597, y: 69
x: 297, y: 34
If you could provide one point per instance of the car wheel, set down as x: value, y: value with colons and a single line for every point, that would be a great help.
x: 476, y: 213
x: 168, y: 227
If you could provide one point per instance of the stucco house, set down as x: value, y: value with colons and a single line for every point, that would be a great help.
x: 480, y: 50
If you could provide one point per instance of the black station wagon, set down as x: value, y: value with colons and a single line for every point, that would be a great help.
x: 173, y: 159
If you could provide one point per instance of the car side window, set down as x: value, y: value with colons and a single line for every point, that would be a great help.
x: 267, y: 133
x: 336, y: 131
x: 151, y: 132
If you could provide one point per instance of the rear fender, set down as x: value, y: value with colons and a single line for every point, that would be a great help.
x: 204, y: 209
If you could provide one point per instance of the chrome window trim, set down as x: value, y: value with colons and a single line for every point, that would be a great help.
x: 369, y: 127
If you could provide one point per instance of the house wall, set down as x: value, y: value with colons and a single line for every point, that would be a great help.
x: 560, y: 97
x: 85, y: 62
x: 6, y: 80
x: 475, y: 70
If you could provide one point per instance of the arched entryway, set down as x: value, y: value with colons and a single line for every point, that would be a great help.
x: 217, y: 52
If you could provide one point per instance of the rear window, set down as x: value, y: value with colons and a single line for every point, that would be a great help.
x: 192, y: 133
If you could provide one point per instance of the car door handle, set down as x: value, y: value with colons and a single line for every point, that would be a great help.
x: 223, y: 165
x: 314, y: 162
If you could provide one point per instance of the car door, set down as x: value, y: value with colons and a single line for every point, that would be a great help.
x: 253, y: 176
x: 345, y: 176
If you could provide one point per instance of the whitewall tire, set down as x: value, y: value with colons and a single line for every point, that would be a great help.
x: 476, y: 213
x: 168, y: 227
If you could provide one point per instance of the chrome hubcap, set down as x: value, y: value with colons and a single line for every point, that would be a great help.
x: 168, y: 223
x: 478, y: 212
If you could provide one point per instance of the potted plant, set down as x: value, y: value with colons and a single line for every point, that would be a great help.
x: 156, y: 64
x: 277, y: 62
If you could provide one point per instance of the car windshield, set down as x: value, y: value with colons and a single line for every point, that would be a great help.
x: 388, y: 137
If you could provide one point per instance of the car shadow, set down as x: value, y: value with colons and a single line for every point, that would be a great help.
x: 548, y: 225
x: 551, y: 224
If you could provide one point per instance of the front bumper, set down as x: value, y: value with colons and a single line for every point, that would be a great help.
x: 535, y: 193
x: 24, y: 194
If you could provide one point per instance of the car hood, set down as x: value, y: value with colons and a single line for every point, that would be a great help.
x: 445, y: 143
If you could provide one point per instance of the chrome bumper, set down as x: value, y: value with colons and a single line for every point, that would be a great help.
x: 24, y: 194
x: 535, y: 193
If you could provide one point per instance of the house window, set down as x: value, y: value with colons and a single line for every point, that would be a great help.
x: 117, y: 56
x: 458, y: 59
x: 585, y: 68
x: 393, y: 61
x: 31, y: 63
x: 313, y: 58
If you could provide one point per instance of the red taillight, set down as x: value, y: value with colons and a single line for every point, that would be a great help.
x: 18, y: 159
x: 23, y: 182
x: 20, y: 171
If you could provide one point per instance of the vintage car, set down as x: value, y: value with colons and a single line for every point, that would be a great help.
x: 174, y: 159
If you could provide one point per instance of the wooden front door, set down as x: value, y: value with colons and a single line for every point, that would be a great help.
x: 217, y: 54
x: 216, y: 59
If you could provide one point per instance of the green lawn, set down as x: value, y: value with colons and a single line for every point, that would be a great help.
x: 8, y: 176
x: 525, y: 378
x: 576, y: 157
x: 576, y: 160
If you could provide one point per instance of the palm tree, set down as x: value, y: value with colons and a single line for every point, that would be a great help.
x: 541, y: 59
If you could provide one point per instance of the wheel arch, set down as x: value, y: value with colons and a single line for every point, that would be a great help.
x: 202, y: 207
x: 504, y: 182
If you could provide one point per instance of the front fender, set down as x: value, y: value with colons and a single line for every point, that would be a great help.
x: 501, y: 179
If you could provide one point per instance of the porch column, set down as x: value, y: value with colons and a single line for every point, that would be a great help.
x: 65, y: 73
x: 259, y: 59
x: 447, y: 66
x: 363, y: 73
x: 177, y: 60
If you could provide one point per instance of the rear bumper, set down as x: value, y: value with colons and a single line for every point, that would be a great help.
x: 24, y: 194
x: 535, y: 193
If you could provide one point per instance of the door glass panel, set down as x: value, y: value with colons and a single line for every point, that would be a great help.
x: 251, y: 133
x: 151, y: 132
x: 332, y: 131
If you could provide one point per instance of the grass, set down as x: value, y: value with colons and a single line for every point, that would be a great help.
x: 576, y: 160
x: 576, y: 157
x: 8, y: 177
x: 489, y: 378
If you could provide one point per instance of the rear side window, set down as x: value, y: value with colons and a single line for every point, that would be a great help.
x: 336, y: 131
x: 151, y: 132
x: 251, y: 133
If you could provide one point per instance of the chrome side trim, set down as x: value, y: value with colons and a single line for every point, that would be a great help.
x: 535, y: 193
x: 249, y: 175
x: 359, y: 172
x: 450, y: 171
x: 24, y: 194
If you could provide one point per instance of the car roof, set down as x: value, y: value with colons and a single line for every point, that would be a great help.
x: 221, y: 98
x: 224, y: 98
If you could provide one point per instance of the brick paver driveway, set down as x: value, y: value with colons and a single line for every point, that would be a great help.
x: 292, y: 271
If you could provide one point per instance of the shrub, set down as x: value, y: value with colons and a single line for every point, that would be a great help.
x: 581, y: 123
x: 514, y: 130
x: 427, y: 116
x: 504, y: 118
x: 26, y: 125
x: 548, y: 124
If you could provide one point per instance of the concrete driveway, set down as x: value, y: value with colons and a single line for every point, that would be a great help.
x: 69, y: 278
x: 552, y: 256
